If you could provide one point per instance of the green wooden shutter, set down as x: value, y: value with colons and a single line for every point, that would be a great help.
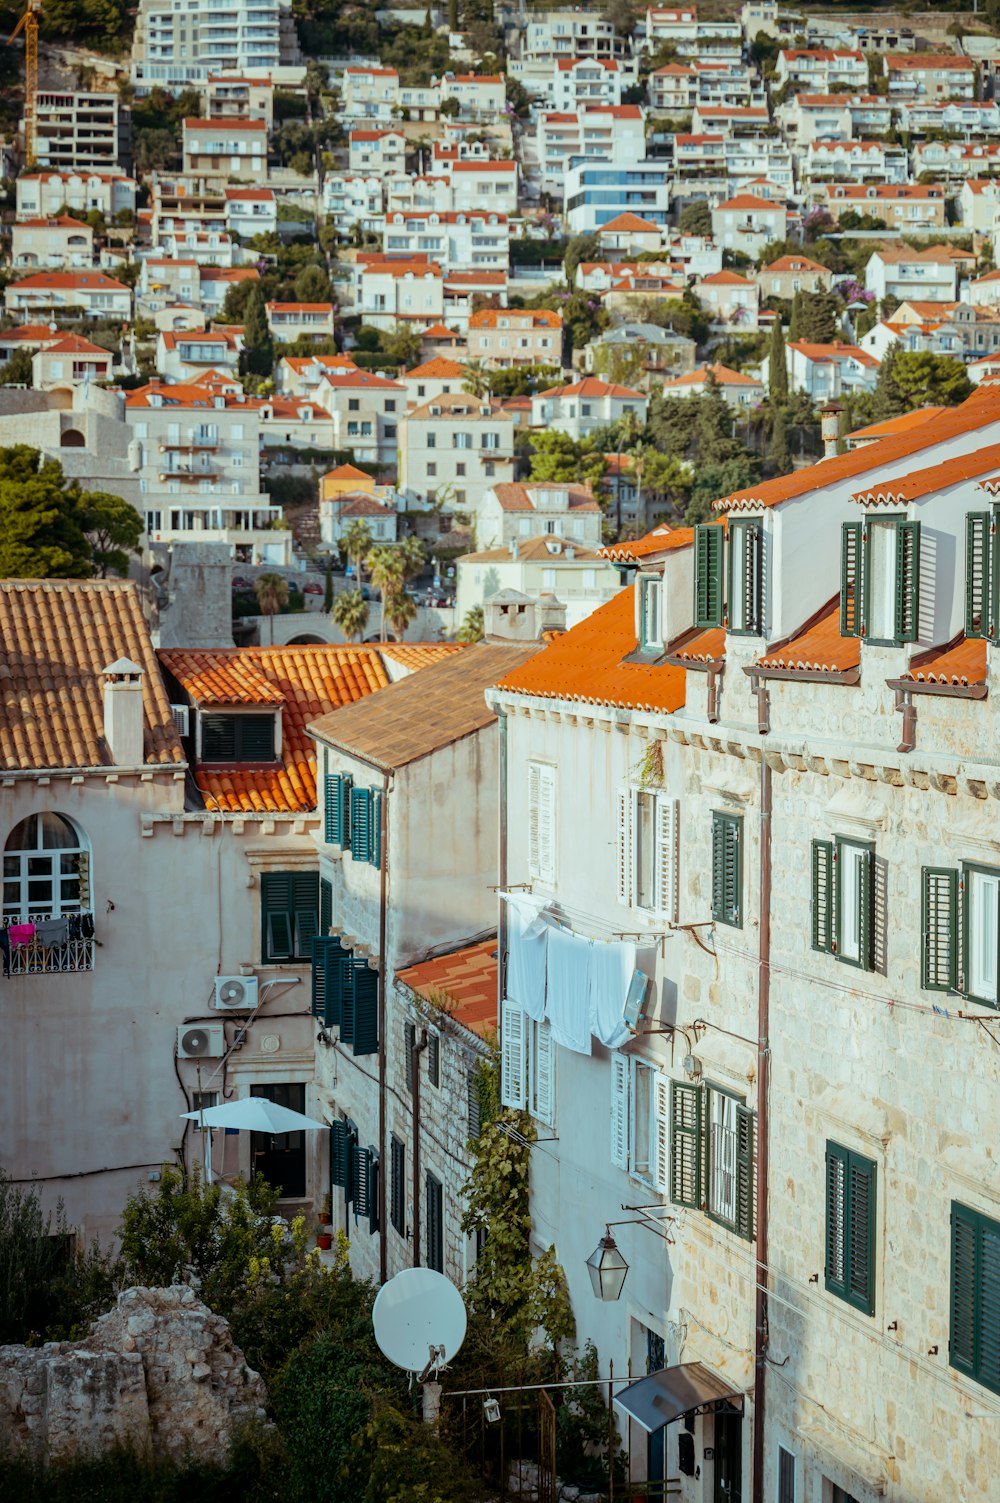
x: 361, y: 1202
x: 748, y: 589
x: 218, y: 738
x: 962, y: 1340
x: 361, y: 824
x: 939, y: 928
x: 305, y: 910
x: 475, y: 1105
x: 709, y: 550
x: 318, y: 980
x: 277, y: 923
x: 409, y: 1042
x: 727, y: 869
x: 254, y: 738
x: 861, y: 1234
x: 338, y: 1153
x: 374, y: 1176
x: 988, y: 1290
x: 852, y: 591
x: 434, y: 1059
x: 364, y: 990
x: 328, y: 957
x: 325, y: 905
x: 686, y: 1118
x: 907, y: 581
x: 375, y: 830
x: 397, y: 1185
x: 333, y: 809
x: 978, y: 559
x: 347, y: 1000
x: 836, y: 1219
x: 866, y: 898
x: 746, y: 1175
x: 823, y: 886
x: 350, y: 1171
x: 434, y: 1254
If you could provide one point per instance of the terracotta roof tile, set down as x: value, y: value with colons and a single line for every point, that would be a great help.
x: 962, y: 662
x: 935, y: 478
x: 585, y: 664
x: 661, y: 540
x: 515, y: 495
x: 902, y: 424
x: 56, y: 636
x: 704, y: 645
x: 467, y: 979
x: 820, y: 648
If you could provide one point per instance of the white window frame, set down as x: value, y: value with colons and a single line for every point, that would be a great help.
x: 666, y: 861
x: 625, y: 1074
x: 47, y: 863
x: 649, y: 626
x: 542, y: 821
x: 722, y: 1156
x: 982, y: 908
x: 527, y: 1064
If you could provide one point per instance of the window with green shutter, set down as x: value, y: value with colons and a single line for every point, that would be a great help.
x: 727, y: 869
x: 713, y: 1155
x: 325, y: 905
x: 366, y: 825
x: 350, y: 1168
x: 237, y: 738
x: 745, y: 578
x: 359, y: 1006
x: 974, y: 1337
x: 960, y: 931
x: 939, y: 929
x: 823, y: 934
x: 709, y: 575
x: 329, y: 958
x: 845, y: 901
x: 337, y: 809
x: 361, y: 1187
x: 338, y: 1153
x: 852, y: 590
x: 375, y: 842
x: 434, y: 1059
x: 650, y: 587
x: 880, y: 580
x: 289, y: 907
x: 850, y: 1227
x: 685, y: 1144
x: 397, y: 1185
x: 981, y: 575
x: 374, y: 1174
x: 434, y: 1202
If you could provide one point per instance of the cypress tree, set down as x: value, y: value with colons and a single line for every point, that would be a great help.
x: 777, y: 366
x: 257, y: 341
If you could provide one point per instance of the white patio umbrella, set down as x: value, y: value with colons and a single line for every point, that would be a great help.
x: 250, y: 1114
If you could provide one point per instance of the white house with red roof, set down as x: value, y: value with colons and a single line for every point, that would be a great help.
x: 251, y: 211
x: 366, y: 410
x: 930, y: 275
x: 389, y: 292
x: 216, y: 281
x: 454, y: 448
x: 369, y: 94
x: 862, y: 161
x: 301, y: 375
x: 418, y: 191
x: 518, y: 511
x: 825, y: 371
x: 505, y: 337
x: 481, y: 96
x: 452, y: 238
x: 979, y: 204
x: 735, y: 387
x: 787, y: 275
x: 580, y: 81
x: 607, y: 132
x: 629, y: 235
x: 747, y: 223
x: 353, y: 200
x: 437, y: 377
x: 226, y: 148
x: 817, y: 69
x: 586, y: 405
x: 730, y: 298
x: 54, y: 243
x: 44, y: 195
x: 184, y: 356
x: 376, y: 152
x: 930, y: 75
x: 290, y: 321
x: 70, y: 361
x: 478, y: 183
x: 68, y: 294
x: 164, y: 280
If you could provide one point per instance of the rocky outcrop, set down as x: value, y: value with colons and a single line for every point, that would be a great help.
x: 159, y: 1372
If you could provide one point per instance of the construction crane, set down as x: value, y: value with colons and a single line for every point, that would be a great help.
x: 29, y: 25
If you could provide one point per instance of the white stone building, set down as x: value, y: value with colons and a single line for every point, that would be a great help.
x: 56, y: 243
x: 80, y: 130
x: 178, y: 48
x: 455, y: 448
x: 586, y: 405
x: 226, y: 147
x: 43, y: 195
x: 521, y: 511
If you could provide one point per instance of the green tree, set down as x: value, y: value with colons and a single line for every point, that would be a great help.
x: 312, y: 285
x: 887, y: 398
x: 815, y: 317
x: 258, y: 343
x: 478, y: 378
x: 42, y: 532
x: 350, y: 611
x: 695, y: 218
x: 580, y: 248
x: 385, y: 566
x: 923, y: 379
x: 779, y: 455
x: 559, y: 458
x: 272, y: 597
x: 238, y: 295
x: 402, y: 345
x: 17, y: 370
x: 400, y: 609
x: 413, y: 555
x: 777, y: 366
x: 113, y: 529
x: 473, y: 628
x: 356, y: 542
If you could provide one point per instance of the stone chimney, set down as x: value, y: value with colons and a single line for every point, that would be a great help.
x: 550, y: 613
x: 123, y: 713
x: 509, y: 616
x: 830, y: 427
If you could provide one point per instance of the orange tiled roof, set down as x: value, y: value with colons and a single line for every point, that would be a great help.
x: 418, y: 654
x: 902, y: 424
x: 585, y: 664
x: 439, y: 368
x: 962, y: 662
x: 935, y: 478
x: 661, y: 540
x: 982, y: 408
x: 307, y: 682
x: 819, y: 648
x: 467, y: 978
x: 56, y: 636
x: 706, y: 645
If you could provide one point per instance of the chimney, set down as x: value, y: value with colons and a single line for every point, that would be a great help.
x: 830, y: 427
x: 123, y: 713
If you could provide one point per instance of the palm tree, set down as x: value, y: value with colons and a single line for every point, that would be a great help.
x: 477, y: 379
x: 411, y: 551
x: 272, y: 596
x: 356, y: 541
x: 401, y: 610
x: 385, y: 566
x: 473, y: 628
x: 350, y: 612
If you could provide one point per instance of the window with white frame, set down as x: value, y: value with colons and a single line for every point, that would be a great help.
x: 46, y: 869
x: 650, y: 588
x: 960, y: 923
x: 640, y: 1119
x: 527, y: 1063
x: 541, y: 821
x: 648, y: 851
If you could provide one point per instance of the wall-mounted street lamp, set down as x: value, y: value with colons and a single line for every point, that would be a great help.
x: 606, y: 1266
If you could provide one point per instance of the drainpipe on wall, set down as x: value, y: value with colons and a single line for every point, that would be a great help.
x: 419, y: 1046
x: 761, y: 1167
x: 904, y: 702
x: 383, y: 908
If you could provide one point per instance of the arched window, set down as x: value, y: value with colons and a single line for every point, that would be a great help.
x: 46, y: 869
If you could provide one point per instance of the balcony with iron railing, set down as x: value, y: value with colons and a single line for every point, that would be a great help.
x: 34, y: 957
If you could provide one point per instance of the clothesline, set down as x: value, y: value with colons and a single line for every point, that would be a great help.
x: 587, y: 925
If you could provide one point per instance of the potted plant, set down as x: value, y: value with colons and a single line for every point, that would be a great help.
x: 324, y: 1231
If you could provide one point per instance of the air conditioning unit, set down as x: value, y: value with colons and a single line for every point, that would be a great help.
x: 181, y: 718
x: 201, y: 1041
x: 236, y: 993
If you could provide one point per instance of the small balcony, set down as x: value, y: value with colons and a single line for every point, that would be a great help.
x: 37, y: 958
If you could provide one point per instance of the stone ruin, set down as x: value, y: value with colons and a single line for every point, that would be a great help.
x: 159, y: 1373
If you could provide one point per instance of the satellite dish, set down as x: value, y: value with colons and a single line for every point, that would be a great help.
x: 419, y: 1319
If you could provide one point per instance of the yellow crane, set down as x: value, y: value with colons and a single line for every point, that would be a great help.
x: 29, y: 25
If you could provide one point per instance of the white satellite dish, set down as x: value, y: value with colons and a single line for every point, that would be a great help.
x: 419, y: 1319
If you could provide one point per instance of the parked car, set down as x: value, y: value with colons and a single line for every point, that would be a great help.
x: 312, y: 589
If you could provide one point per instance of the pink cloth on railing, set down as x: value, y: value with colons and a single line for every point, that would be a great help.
x: 21, y: 934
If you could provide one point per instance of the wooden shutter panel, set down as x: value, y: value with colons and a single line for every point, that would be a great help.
x: 718, y: 867
x: 686, y: 1114
x: 939, y: 928
x: 332, y: 809
x: 325, y: 905
x: 619, y: 1110
x: 836, y: 1219
x: 350, y: 1174
x: 866, y: 897
x: 338, y: 1152
x: 374, y: 1176
x: 852, y: 580
x: 364, y: 990
x: 409, y: 1042
x: 254, y: 738
x: 661, y: 1132
x: 978, y: 560
x: 962, y: 1342
x: 305, y: 908
x: 277, y: 923
x: 747, y: 588
x: 360, y: 824
x: 435, y: 1224
x: 546, y: 824
x: 544, y: 1082
x: 512, y: 1055
x: 746, y: 1178
x: 861, y: 1234
x: 534, y: 853
x: 434, y: 1059
x: 727, y: 869
x: 337, y: 961
x: 822, y: 897
x: 361, y: 1182
x: 667, y: 856
x: 375, y: 830
x: 347, y: 1000
x: 709, y: 545
x: 988, y: 1292
x: 625, y: 847
x: 475, y: 1105
x: 907, y: 581
x: 397, y: 1185
x: 327, y: 952
x: 218, y: 738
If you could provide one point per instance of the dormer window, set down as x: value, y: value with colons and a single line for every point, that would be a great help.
x: 650, y: 588
x: 730, y: 596
x: 237, y: 738
x: 880, y: 577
